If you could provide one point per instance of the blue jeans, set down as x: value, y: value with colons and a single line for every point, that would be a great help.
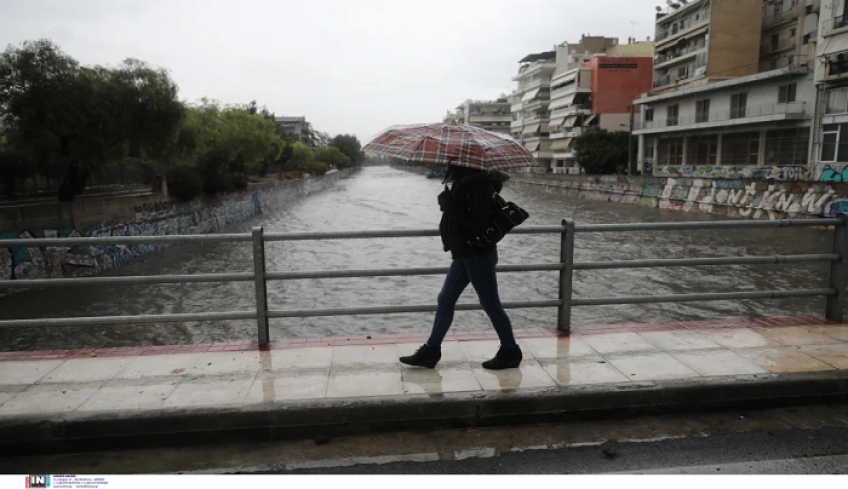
x: 479, y: 271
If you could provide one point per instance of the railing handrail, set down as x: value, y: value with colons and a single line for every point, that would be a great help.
x: 836, y: 292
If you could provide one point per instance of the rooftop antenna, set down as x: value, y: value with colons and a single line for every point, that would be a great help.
x: 633, y: 28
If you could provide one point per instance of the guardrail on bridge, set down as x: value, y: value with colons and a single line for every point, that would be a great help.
x: 835, y: 292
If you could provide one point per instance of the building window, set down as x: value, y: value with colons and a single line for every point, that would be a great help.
x: 834, y: 143
x: 793, y: 32
x: 670, y: 151
x: 649, y: 115
x: 702, y: 113
x: 738, y: 104
x: 806, y: 39
x: 702, y: 150
x: 787, y: 94
x: 672, y: 115
x: 787, y: 146
x: 775, y: 42
x: 742, y: 148
x: 836, y: 101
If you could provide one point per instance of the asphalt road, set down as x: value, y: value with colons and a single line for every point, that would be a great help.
x: 798, y: 451
x: 800, y: 440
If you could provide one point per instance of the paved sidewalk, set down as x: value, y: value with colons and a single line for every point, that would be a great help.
x: 51, y: 396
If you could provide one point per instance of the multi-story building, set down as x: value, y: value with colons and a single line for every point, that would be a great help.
x: 299, y: 127
x: 706, y: 40
x: 492, y: 115
x: 555, y: 87
x: 529, y: 105
x: 830, y: 151
x: 733, y: 88
x: 597, y: 93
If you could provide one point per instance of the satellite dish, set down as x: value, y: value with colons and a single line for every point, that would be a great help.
x: 670, y: 3
x: 659, y: 9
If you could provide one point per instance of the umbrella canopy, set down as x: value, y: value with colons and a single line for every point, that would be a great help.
x: 454, y: 144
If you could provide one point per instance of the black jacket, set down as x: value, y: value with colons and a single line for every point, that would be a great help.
x: 466, y: 208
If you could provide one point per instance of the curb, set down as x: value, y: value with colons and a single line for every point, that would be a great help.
x: 26, y: 435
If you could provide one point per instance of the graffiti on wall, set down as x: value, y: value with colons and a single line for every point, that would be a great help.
x: 740, y: 198
x: 779, y: 173
x: 834, y: 174
x: 151, y: 220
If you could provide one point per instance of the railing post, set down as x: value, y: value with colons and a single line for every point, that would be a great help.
x: 259, y: 280
x: 839, y: 271
x: 566, y: 275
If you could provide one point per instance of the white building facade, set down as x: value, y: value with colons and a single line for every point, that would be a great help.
x: 529, y: 106
x: 830, y: 150
x: 730, y: 128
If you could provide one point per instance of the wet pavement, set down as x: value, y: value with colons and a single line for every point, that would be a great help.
x: 146, y: 379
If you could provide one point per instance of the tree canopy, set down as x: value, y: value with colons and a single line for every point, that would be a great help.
x: 77, y: 119
x: 58, y: 117
x: 601, y: 152
x: 350, y: 146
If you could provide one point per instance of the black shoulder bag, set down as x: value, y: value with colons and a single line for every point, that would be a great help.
x: 504, y: 217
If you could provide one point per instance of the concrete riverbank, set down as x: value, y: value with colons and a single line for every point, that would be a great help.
x: 200, y: 216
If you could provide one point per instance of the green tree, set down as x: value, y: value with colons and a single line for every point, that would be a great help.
x: 350, y: 146
x: 601, y: 152
x: 331, y: 156
x: 79, y: 119
x: 300, y: 156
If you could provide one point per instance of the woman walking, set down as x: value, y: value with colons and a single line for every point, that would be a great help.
x: 465, y: 211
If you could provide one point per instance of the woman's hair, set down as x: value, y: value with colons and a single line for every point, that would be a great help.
x: 457, y: 173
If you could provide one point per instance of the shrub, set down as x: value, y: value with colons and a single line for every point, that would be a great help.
x: 317, y: 168
x: 293, y: 175
x: 185, y: 183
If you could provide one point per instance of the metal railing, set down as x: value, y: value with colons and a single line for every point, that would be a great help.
x: 835, y: 292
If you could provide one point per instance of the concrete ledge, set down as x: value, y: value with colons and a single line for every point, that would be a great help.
x: 79, y: 431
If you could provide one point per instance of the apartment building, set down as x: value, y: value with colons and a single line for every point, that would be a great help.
x: 299, y: 127
x: 596, y: 93
x: 492, y: 115
x: 733, y: 87
x: 554, y: 95
x: 830, y: 152
x: 529, y: 106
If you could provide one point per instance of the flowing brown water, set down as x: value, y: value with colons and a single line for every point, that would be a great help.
x: 386, y: 198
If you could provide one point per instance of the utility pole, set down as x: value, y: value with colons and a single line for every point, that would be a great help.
x: 630, y: 166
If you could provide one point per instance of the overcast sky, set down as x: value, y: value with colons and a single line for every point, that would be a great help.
x: 349, y: 66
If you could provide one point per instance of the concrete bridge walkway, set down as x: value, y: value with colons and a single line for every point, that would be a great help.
x: 81, y: 399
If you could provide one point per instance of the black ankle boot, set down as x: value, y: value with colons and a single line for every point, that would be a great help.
x: 426, y: 356
x: 507, y: 357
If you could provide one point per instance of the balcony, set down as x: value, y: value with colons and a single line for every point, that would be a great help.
x: 777, y: 47
x: 747, y: 115
x: 536, y: 103
x: 834, y: 25
x: 679, y: 55
x: 836, y: 68
x: 537, y: 83
x: 571, y: 110
x: 781, y: 62
x: 536, y: 119
x: 516, y: 124
x: 781, y: 17
x: 686, y: 28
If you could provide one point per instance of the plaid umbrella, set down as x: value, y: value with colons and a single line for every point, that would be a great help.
x: 458, y: 145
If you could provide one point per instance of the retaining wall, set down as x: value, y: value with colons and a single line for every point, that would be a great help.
x: 753, y: 198
x: 151, y: 219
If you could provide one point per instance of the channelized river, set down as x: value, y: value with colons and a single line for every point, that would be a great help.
x: 387, y: 198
